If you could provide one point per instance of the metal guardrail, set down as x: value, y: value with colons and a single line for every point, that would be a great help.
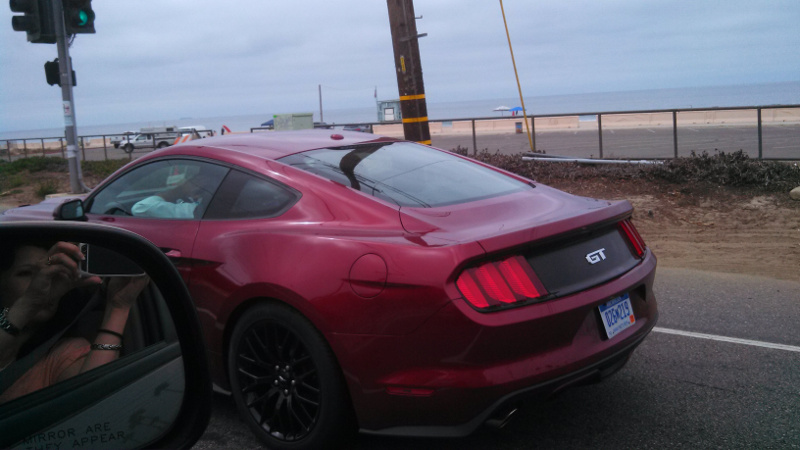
x: 48, y: 146
x: 600, y: 114
x: 599, y: 119
x: 674, y: 113
x: 44, y: 145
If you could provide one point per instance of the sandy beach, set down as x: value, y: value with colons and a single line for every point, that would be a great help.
x: 508, y: 124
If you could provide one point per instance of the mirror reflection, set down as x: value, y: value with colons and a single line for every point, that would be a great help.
x: 76, y: 317
x: 34, y: 281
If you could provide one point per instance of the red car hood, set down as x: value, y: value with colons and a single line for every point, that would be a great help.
x: 503, y: 222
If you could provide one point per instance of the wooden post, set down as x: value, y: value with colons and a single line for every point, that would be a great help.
x: 413, y: 107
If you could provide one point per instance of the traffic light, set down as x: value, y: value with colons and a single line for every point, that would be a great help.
x: 53, y: 73
x: 37, y: 22
x: 78, y: 16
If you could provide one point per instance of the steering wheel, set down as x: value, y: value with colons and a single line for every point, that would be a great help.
x: 200, y: 208
x: 116, y: 209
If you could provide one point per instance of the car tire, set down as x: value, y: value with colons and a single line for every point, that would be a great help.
x: 128, y: 148
x: 162, y: 144
x: 286, y: 382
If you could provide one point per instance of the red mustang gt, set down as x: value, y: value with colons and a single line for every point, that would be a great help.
x: 347, y: 281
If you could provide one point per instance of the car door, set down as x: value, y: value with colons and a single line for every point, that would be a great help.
x: 245, y: 204
x: 142, y: 140
x: 115, y: 203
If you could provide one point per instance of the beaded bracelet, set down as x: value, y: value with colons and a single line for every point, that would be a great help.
x: 106, y: 346
x: 7, y: 326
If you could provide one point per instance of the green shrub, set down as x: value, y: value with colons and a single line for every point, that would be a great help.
x: 102, y: 169
x: 35, y: 164
x: 46, y: 188
x: 728, y: 169
x: 12, y: 181
x: 721, y: 169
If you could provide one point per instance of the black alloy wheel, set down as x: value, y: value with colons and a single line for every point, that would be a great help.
x: 286, y: 382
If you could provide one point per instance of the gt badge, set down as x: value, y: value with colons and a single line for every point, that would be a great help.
x: 596, y: 256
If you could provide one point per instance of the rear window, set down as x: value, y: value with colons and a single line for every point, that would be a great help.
x: 406, y: 173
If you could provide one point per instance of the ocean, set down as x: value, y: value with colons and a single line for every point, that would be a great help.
x: 768, y: 94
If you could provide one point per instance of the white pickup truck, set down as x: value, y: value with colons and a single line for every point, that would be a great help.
x: 150, y: 137
x: 129, y: 143
x: 158, y: 137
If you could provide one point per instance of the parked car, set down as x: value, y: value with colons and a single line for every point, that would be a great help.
x: 156, y: 392
x: 347, y: 281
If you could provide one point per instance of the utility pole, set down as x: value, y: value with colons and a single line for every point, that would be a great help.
x: 70, y: 124
x: 321, y: 120
x: 405, y: 42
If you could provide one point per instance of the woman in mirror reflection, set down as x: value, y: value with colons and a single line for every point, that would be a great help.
x: 34, y: 278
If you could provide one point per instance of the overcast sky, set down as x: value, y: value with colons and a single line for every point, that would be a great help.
x: 162, y: 59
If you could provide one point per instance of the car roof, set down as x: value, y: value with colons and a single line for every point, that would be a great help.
x: 277, y: 144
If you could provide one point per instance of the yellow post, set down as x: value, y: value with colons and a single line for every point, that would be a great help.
x: 519, y: 87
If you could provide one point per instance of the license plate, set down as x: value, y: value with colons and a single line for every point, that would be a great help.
x: 617, y: 315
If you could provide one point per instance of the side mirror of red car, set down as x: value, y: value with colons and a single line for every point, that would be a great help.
x: 70, y: 210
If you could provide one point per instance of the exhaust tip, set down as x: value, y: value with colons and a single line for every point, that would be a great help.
x: 502, y: 419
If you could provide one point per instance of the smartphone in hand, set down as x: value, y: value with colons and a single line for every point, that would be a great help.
x: 100, y: 261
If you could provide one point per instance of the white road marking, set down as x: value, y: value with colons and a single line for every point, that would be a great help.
x: 714, y: 337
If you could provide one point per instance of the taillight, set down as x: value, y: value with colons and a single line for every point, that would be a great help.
x: 627, y: 228
x: 500, y: 283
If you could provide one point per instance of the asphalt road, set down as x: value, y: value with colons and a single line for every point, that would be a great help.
x: 736, y: 385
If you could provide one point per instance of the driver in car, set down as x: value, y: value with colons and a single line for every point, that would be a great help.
x: 179, y: 202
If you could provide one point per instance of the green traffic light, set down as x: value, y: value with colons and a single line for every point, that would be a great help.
x: 78, y: 16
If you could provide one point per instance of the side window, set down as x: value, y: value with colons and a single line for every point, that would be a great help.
x: 244, y: 196
x: 167, y: 189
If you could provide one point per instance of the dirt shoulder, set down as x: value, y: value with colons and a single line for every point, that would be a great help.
x: 721, y: 230
x: 716, y: 229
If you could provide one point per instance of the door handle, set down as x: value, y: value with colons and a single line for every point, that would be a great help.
x: 171, y: 252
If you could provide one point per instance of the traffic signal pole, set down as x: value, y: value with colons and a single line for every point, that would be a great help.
x: 70, y: 124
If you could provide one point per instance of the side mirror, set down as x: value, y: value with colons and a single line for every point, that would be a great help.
x: 154, y: 393
x: 70, y: 210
